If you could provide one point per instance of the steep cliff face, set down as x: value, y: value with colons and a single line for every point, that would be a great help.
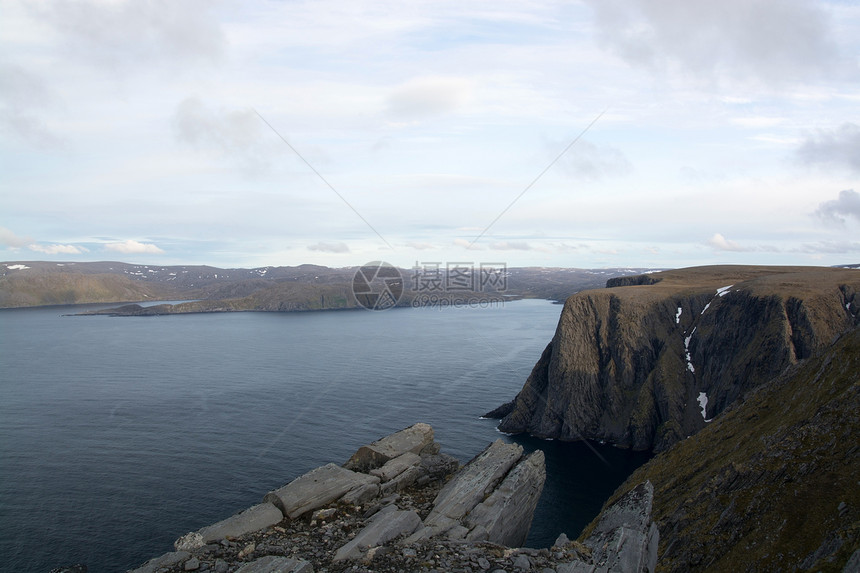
x: 647, y: 365
x: 770, y: 485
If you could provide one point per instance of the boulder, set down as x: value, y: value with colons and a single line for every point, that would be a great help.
x: 506, y: 515
x: 412, y: 439
x: 318, y: 488
x: 274, y: 564
x: 394, y: 467
x: 252, y: 519
x: 386, y: 525
x: 473, y: 483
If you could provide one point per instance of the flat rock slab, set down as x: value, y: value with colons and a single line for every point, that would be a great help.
x: 396, y: 466
x: 166, y: 560
x: 248, y: 521
x: 475, y: 481
x: 506, y: 516
x: 412, y: 439
x: 318, y: 488
x: 383, y: 527
x: 274, y: 564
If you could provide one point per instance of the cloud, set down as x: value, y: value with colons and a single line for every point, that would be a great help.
x: 10, y: 239
x: 420, y: 246
x: 838, y: 210
x: 132, y: 247
x: 589, y: 161
x: 430, y: 96
x: 515, y: 246
x: 128, y: 34
x: 830, y: 247
x: 760, y: 40
x: 58, y: 249
x: 329, y: 247
x: 22, y: 95
x: 468, y: 244
x: 237, y: 134
x: 838, y: 147
x: 721, y: 243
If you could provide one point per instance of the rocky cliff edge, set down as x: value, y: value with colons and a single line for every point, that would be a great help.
x: 650, y: 362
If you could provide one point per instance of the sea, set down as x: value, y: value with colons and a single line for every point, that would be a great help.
x: 120, y: 434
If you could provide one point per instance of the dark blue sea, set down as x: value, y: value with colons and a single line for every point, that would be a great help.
x: 118, y: 435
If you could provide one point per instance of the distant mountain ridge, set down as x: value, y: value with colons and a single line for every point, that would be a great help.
x: 646, y: 365
x: 303, y: 287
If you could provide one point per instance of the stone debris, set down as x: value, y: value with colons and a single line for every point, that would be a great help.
x: 425, y: 514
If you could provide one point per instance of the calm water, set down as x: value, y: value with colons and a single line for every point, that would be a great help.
x: 118, y: 435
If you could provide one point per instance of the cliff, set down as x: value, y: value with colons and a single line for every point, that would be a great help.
x: 646, y: 365
x: 771, y: 484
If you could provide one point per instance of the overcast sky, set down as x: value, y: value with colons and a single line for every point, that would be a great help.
x: 339, y: 132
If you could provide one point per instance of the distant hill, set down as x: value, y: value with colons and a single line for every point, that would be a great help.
x: 303, y: 287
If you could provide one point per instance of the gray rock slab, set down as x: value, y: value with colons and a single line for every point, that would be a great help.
x: 250, y: 520
x: 274, y: 564
x: 476, y: 480
x: 166, y: 560
x: 396, y: 466
x: 317, y: 488
x: 412, y: 439
x: 382, y: 528
x: 625, y: 539
x: 402, y: 481
x: 507, y: 513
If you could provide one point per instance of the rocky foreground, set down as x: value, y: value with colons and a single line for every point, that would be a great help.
x: 399, y: 504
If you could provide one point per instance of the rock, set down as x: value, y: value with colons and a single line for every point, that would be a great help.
x: 561, y: 540
x: 402, y: 481
x: 625, y: 538
x: 412, y: 439
x: 323, y: 514
x: 274, y: 564
x: 386, y: 525
x: 77, y: 568
x: 396, y: 466
x: 192, y: 564
x: 472, y: 484
x: 483, y: 563
x: 438, y: 466
x: 166, y: 560
x: 507, y: 513
x: 252, y: 519
x: 221, y: 566
x: 522, y: 562
x: 319, y: 488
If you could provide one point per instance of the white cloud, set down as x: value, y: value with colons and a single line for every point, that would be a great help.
x: 471, y: 245
x: 838, y: 210
x: 323, y: 247
x: 131, y: 246
x: 129, y: 34
x: 429, y: 96
x: 58, y: 249
x: 838, y: 147
x: 10, y: 239
x: 235, y: 134
x: 763, y: 41
x: 589, y: 161
x: 23, y: 96
x: 720, y: 243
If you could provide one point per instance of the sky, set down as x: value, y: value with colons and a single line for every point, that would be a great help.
x: 591, y: 134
